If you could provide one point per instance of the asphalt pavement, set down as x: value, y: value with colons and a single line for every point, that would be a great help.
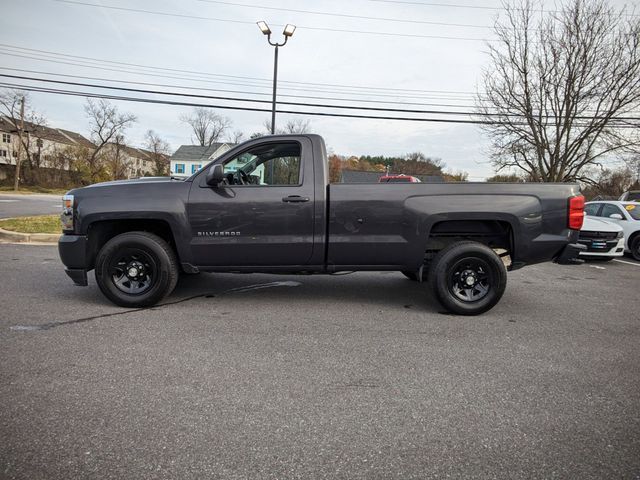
x: 354, y: 376
x: 29, y: 204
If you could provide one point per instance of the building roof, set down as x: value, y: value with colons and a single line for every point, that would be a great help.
x: 195, y: 153
x: 354, y: 176
x: 57, y: 135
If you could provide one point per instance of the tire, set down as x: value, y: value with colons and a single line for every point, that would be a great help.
x: 464, y: 262
x: 149, y: 260
x: 635, y: 248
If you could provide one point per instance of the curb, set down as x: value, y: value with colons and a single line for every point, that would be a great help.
x: 16, y: 237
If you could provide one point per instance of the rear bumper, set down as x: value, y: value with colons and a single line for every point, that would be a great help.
x: 73, y: 253
x: 570, y: 252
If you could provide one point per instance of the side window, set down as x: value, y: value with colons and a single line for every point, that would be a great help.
x: 272, y: 164
x: 592, y: 209
x: 609, y: 209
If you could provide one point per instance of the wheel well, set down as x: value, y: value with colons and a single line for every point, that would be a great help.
x: 632, y: 237
x: 101, y: 232
x: 495, y: 234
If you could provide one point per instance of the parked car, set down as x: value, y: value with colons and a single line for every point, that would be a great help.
x: 604, y: 240
x: 277, y: 213
x: 398, y: 179
x: 630, y: 196
x: 624, y: 214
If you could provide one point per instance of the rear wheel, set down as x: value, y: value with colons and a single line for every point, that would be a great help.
x: 136, y: 269
x: 468, y: 278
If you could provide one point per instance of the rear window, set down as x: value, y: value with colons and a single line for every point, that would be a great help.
x: 633, y: 196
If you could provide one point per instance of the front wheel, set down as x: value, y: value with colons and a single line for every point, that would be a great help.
x: 468, y: 278
x: 136, y: 269
x: 635, y: 248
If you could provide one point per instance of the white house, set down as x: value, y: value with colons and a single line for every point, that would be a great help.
x: 45, y: 143
x: 188, y: 159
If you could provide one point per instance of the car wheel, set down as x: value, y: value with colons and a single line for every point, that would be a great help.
x: 468, y: 278
x: 635, y: 248
x: 136, y: 269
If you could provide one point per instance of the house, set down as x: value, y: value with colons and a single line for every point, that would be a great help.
x: 188, y: 159
x: 44, y: 143
x: 353, y: 176
x: 131, y: 162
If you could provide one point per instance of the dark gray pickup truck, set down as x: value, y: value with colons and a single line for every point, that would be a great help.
x: 267, y: 206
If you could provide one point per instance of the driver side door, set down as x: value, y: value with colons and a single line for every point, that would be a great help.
x: 262, y: 215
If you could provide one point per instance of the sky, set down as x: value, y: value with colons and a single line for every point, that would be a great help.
x: 408, y: 59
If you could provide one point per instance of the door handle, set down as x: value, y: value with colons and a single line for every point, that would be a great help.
x: 295, y: 199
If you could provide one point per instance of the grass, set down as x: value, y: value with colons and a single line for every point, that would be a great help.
x: 27, y: 190
x: 39, y: 224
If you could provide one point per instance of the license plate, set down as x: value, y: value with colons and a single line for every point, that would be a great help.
x: 598, y: 245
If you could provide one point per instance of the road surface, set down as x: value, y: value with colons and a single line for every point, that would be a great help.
x: 355, y: 376
x: 25, y: 205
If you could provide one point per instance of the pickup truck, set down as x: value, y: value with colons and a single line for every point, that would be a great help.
x: 267, y: 206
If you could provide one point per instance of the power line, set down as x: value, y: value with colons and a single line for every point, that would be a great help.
x: 315, y: 97
x: 344, y: 15
x: 624, y: 120
x: 302, y: 27
x: 101, y: 67
x: 230, y: 107
x: 192, y: 95
x: 479, y: 7
x: 207, y: 74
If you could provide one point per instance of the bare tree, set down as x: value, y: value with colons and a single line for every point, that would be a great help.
x: 159, y: 153
x: 106, y: 124
x: 16, y: 108
x: 208, y: 127
x: 115, y: 158
x: 559, y: 87
x: 236, y: 137
x: 297, y: 126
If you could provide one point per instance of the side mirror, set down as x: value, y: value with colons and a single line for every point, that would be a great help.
x: 616, y: 216
x: 215, y: 175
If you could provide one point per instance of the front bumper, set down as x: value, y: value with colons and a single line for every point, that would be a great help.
x: 570, y: 253
x: 73, y: 253
x: 603, y: 248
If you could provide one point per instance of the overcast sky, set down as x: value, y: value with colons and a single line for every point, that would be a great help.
x: 419, y: 69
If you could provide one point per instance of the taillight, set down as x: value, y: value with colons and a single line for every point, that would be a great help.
x: 576, y: 212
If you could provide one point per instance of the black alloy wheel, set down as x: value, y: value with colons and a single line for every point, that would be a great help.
x: 467, y: 278
x: 136, y: 269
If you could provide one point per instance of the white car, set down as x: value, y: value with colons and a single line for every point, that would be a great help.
x: 604, y: 240
x: 624, y: 214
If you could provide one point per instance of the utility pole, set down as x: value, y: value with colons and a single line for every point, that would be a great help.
x: 16, y: 185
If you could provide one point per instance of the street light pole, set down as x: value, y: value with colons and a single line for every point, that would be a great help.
x: 287, y: 32
x: 275, y: 83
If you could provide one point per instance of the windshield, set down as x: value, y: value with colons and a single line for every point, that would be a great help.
x: 633, y: 210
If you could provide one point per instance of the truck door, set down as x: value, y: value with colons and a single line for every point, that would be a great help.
x: 263, y: 212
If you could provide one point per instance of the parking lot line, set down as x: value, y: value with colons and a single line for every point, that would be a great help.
x: 628, y: 263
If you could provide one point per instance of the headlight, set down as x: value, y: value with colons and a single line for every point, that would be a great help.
x: 66, y: 218
x: 620, y: 234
